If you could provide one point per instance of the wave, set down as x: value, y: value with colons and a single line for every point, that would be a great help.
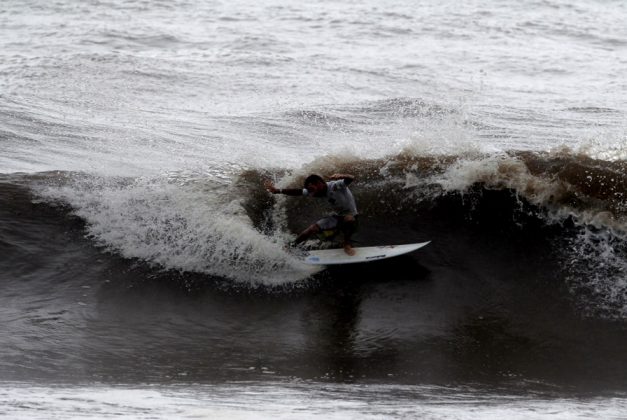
x: 229, y: 227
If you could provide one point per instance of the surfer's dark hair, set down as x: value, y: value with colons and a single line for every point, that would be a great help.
x: 312, y: 179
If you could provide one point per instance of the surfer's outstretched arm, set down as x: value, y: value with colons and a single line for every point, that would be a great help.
x: 287, y: 191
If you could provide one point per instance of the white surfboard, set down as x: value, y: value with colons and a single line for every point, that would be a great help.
x: 362, y: 254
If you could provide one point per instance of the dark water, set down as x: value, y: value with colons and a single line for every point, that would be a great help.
x: 499, y: 298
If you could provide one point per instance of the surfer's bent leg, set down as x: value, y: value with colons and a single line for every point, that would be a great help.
x: 322, y: 226
x: 311, y: 230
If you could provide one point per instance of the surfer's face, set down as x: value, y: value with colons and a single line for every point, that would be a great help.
x: 317, y: 188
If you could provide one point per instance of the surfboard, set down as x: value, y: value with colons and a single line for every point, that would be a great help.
x: 362, y: 254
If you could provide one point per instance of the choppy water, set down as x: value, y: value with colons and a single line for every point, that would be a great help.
x: 138, y: 247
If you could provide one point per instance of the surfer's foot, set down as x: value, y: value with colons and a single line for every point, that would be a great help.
x: 348, y: 248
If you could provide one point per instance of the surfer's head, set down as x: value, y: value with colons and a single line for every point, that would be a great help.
x: 315, y: 185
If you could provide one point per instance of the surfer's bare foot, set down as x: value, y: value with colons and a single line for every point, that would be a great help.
x: 348, y: 248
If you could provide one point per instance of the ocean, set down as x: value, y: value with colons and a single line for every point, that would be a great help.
x: 145, y: 272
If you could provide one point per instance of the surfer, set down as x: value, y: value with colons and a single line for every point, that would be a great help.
x: 340, y: 198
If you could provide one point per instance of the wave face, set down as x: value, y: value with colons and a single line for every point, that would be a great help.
x: 527, y: 255
x: 570, y: 205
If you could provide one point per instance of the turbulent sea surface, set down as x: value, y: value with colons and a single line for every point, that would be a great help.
x: 144, y: 270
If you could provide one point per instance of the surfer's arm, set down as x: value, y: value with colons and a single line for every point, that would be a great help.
x: 286, y: 191
x: 347, y: 178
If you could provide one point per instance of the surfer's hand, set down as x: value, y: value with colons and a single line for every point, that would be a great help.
x: 270, y: 186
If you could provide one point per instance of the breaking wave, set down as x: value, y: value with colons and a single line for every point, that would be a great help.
x: 227, y: 226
